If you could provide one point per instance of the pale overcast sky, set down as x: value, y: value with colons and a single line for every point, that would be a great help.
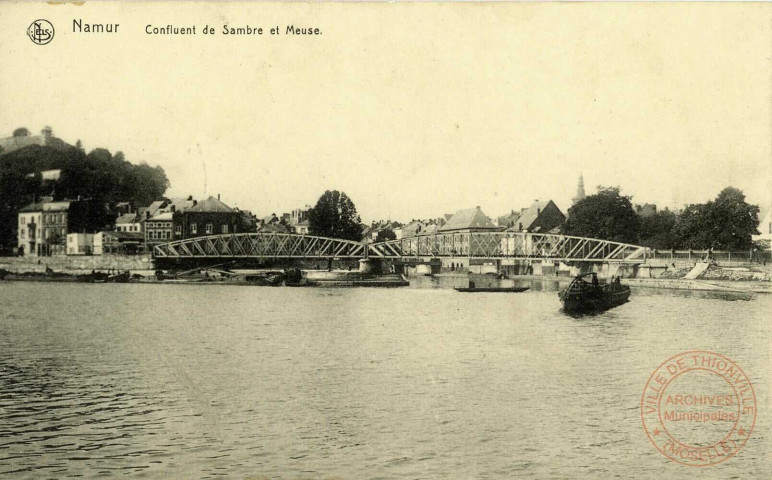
x: 412, y: 110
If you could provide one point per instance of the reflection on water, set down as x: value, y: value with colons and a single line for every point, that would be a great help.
x: 174, y: 381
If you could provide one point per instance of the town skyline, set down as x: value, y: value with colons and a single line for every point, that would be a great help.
x: 562, y: 199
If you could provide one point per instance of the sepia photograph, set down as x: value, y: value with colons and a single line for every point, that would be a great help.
x: 385, y: 240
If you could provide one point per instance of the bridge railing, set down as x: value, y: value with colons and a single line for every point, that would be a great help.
x: 257, y: 245
x: 510, y: 245
x: 492, y: 245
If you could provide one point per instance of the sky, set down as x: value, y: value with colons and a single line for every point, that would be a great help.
x: 412, y: 110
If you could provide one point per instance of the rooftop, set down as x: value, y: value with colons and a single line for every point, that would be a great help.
x: 471, y: 218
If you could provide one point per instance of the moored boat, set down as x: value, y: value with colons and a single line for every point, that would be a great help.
x: 123, y: 277
x: 491, y: 289
x: 582, y: 295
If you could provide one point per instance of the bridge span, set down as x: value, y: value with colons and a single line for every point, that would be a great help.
x: 480, y: 245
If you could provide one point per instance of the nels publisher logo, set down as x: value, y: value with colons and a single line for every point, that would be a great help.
x: 41, y: 31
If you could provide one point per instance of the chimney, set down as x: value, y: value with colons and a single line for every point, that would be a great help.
x: 218, y: 196
x: 195, y: 202
x: 190, y: 197
x: 174, y: 208
x: 147, y: 214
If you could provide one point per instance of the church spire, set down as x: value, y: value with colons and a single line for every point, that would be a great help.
x: 579, y: 190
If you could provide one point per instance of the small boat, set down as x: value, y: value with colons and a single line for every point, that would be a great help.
x: 473, y: 289
x: 582, y: 295
x: 266, y: 279
x: 122, y: 277
x: 93, y: 277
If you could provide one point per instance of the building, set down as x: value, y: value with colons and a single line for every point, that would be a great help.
x: 579, y: 191
x: 48, y: 175
x: 419, y: 227
x: 207, y: 217
x: 30, y: 231
x: 469, y: 220
x: 370, y: 234
x: 298, y: 215
x: 158, y: 229
x: 157, y: 220
x: 80, y: 244
x: 271, y: 219
x: 412, y: 229
x: 43, y: 228
x: 21, y: 138
x: 646, y: 210
x: 278, y: 227
x: 509, y: 220
x: 128, y: 222
x: 274, y: 224
x: 540, y: 217
x: 301, y: 228
x: 123, y: 243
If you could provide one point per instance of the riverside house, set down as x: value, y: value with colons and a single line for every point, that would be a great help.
x: 207, y: 217
x: 472, y: 220
x: 540, y: 217
x: 43, y: 228
x: 158, y: 220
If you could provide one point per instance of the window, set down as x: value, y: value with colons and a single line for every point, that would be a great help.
x: 21, y: 220
x: 209, y: 229
x: 63, y: 232
x: 178, y: 229
x: 23, y: 233
x: 193, y: 228
x: 224, y: 229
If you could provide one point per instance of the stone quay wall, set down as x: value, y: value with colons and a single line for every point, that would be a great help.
x: 77, y: 263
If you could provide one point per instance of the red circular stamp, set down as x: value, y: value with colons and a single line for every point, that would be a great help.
x: 698, y: 408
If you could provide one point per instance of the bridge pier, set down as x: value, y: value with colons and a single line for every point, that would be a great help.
x: 370, y: 266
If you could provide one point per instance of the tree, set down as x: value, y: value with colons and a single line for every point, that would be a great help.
x: 658, y: 230
x: 726, y: 223
x: 385, y: 235
x: 334, y: 216
x: 21, y: 132
x: 607, y: 215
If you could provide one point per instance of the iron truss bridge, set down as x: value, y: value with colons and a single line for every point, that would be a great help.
x: 486, y: 245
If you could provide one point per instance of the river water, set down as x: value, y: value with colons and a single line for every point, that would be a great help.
x: 183, y: 381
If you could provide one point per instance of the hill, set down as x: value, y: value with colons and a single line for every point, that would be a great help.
x: 100, y: 175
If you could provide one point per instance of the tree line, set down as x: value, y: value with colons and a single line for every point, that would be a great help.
x: 726, y: 223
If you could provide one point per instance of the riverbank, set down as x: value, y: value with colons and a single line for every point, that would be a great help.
x: 728, y: 286
x: 78, y: 264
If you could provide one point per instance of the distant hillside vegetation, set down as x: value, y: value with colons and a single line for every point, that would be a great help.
x: 100, y: 175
